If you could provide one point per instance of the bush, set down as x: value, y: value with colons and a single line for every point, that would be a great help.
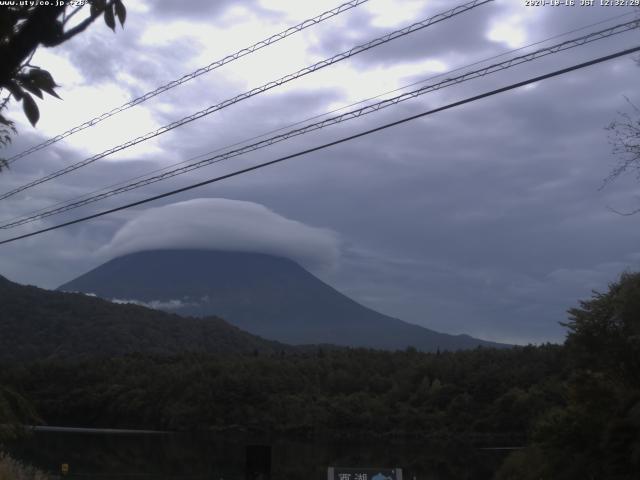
x: 11, y: 469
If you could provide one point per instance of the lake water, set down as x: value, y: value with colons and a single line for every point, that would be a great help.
x: 218, y: 456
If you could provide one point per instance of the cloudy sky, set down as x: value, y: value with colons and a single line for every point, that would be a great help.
x: 486, y: 219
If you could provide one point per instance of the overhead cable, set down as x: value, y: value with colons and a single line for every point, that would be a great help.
x: 365, y: 110
x: 321, y: 115
x: 330, y: 144
x: 263, y: 88
x: 190, y: 76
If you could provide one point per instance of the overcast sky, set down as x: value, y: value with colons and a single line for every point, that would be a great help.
x: 486, y: 219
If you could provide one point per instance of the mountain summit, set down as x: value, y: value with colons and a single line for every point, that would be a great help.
x: 266, y: 295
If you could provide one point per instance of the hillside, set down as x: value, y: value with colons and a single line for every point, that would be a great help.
x: 42, y: 324
x: 266, y: 295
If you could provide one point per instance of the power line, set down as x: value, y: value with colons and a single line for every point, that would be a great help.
x: 338, y: 119
x: 330, y: 144
x: 188, y: 77
x: 490, y: 69
x: 33, y: 214
x: 263, y: 88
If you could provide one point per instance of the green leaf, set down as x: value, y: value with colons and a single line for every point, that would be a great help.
x: 15, y: 90
x: 30, y: 109
x: 43, y: 80
x: 52, y: 92
x: 109, y: 19
x: 32, y: 88
x: 121, y: 12
x: 97, y: 6
x: 42, y: 77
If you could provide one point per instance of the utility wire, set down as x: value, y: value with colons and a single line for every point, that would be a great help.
x: 34, y: 213
x: 330, y: 144
x: 347, y: 116
x: 268, y: 86
x: 591, y: 37
x: 188, y: 77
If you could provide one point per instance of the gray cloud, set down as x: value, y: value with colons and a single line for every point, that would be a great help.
x: 485, y: 219
x: 222, y: 224
x: 200, y: 10
x: 462, y: 33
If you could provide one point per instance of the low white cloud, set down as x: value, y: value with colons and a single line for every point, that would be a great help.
x: 222, y: 224
x: 156, y: 304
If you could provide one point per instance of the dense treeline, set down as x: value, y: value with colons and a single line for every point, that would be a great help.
x: 352, y: 392
x: 577, y: 406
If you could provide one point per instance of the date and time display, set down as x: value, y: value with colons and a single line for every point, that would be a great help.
x: 582, y: 3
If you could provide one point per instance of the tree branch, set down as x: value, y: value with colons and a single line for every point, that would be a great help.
x: 81, y: 27
x: 68, y: 17
x: 32, y: 33
x: 624, y: 214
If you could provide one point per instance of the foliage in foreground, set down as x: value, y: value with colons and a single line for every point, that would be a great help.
x: 15, y: 411
x: 11, y: 469
x: 596, y: 435
x: 26, y: 26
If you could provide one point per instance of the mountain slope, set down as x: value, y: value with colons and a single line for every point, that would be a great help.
x: 268, y: 296
x: 42, y: 324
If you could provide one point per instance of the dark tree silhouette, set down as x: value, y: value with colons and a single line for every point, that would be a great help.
x: 24, y: 28
x: 624, y: 137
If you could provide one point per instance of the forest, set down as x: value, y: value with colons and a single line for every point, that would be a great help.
x: 577, y: 401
